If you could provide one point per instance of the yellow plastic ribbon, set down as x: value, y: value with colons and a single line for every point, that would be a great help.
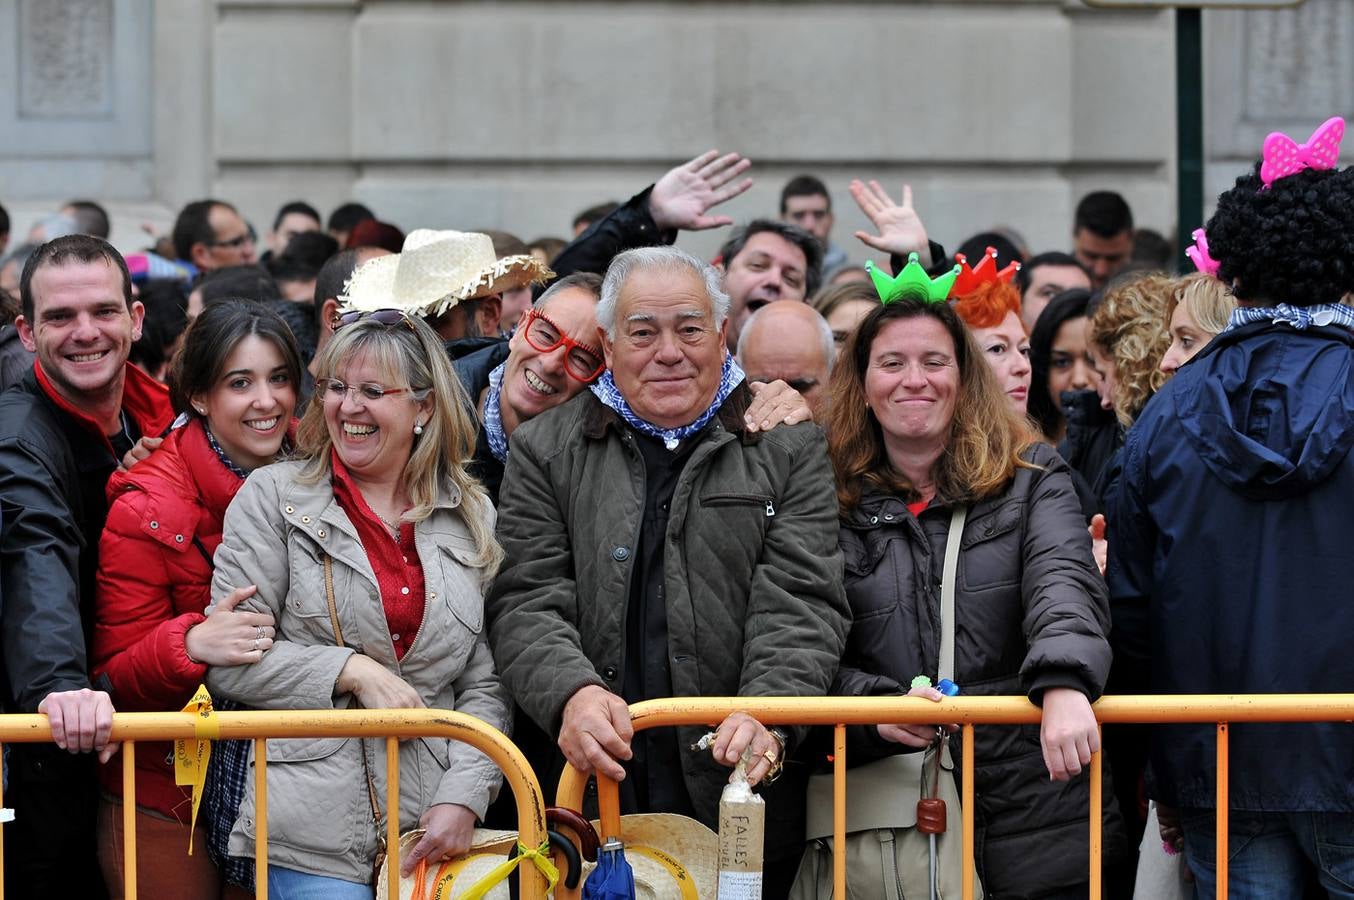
x: 190, y: 765
x: 539, y: 856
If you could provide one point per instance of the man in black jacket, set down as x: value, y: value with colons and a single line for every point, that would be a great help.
x: 63, y: 429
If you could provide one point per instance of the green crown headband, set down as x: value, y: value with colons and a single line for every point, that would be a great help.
x: 912, y: 283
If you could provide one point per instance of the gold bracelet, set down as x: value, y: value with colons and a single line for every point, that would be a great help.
x: 778, y: 765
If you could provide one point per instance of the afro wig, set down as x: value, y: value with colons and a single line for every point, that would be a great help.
x: 1292, y: 242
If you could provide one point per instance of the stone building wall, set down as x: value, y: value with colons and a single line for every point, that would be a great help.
x: 516, y: 114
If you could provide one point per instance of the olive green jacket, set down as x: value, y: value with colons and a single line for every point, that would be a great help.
x: 753, y: 575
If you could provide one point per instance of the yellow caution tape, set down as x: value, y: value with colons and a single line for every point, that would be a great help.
x: 539, y: 856
x: 190, y: 765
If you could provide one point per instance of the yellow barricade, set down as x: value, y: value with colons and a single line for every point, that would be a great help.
x: 393, y: 725
x: 969, y: 711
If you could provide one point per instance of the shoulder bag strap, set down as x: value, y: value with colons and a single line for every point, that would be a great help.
x: 947, y: 586
x: 366, y: 764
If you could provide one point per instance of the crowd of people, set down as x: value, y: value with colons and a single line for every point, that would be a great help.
x: 538, y: 482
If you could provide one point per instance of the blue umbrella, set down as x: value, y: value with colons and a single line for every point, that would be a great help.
x: 613, y: 879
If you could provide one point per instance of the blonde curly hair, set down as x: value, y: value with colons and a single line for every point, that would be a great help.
x: 1130, y: 326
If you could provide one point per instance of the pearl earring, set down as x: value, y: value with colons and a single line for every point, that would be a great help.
x: 418, y: 429
x: 200, y: 411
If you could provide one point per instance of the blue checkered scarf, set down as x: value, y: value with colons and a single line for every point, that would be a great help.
x: 1299, y: 317
x: 729, y: 378
x: 493, y: 415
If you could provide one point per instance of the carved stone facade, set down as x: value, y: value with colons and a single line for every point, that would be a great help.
x: 515, y: 114
x: 65, y: 59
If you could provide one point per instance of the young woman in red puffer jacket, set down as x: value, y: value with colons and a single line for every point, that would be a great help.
x: 234, y: 383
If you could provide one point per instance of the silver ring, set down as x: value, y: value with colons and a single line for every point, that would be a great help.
x: 258, y: 632
x: 256, y: 643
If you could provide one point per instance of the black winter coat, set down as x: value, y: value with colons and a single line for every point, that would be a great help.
x: 1031, y: 614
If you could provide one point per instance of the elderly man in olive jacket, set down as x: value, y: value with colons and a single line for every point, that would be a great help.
x: 657, y: 548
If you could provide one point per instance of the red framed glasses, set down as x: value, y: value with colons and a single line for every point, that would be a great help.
x: 581, y: 362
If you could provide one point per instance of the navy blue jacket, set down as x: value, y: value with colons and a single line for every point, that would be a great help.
x: 1231, y: 536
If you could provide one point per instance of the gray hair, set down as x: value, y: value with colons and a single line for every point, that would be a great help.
x: 660, y: 259
x: 824, y: 335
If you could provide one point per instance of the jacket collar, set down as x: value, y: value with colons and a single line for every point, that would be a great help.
x: 144, y: 399
x: 598, y: 417
x: 304, y: 503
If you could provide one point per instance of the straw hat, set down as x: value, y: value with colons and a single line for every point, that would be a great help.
x: 665, y: 851
x: 435, y: 270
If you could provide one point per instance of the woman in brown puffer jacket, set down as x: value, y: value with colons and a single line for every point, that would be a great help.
x: 918, y: 427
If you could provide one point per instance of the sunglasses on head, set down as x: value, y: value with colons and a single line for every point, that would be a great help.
x: 386, y: 317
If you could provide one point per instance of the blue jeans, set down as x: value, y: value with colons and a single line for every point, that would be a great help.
x: 289, y: 884
x: 1272, y: 854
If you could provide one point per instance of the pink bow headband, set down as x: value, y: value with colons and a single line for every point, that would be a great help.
x: 1198, y: 254
x: 1281, y: 156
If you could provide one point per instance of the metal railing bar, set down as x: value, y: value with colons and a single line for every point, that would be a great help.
x: 839, y: 812
x: 1224, y: 801
x: 392, y: 816
x: 966, y: 807
x: 1097, y: 820
x: 260, y: 818
x: 129, y: 819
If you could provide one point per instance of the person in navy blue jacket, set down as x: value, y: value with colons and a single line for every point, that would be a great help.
x: 1231, y: 546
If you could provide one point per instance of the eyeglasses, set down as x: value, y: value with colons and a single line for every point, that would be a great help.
x: 384, y: 316
x: 333, y: 389
x: 235, y: 242
x: 582, y: 363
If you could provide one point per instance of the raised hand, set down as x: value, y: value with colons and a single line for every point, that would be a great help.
x: 900, y: 228
x: 684, y: 195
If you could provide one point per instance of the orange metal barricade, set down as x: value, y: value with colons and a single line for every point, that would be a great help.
x: 393, y: 725
x: 970, y: 711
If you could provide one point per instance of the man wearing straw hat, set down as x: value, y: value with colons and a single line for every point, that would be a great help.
x: 656, y: 546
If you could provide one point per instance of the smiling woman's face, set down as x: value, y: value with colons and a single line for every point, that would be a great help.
x: 373, y: 437
x: 912, y: 381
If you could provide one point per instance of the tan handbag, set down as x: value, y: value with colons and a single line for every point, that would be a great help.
x: 887, y: 858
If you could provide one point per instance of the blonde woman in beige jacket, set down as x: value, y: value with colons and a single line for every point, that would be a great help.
x: 381, y: 499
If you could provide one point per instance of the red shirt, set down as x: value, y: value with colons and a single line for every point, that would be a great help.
x: 916, y: 508
x: 399, y: 574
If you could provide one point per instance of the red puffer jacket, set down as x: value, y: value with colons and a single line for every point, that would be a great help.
x: 154, y: 581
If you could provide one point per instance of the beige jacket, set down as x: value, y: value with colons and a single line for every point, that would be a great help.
x: 319, y: 815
